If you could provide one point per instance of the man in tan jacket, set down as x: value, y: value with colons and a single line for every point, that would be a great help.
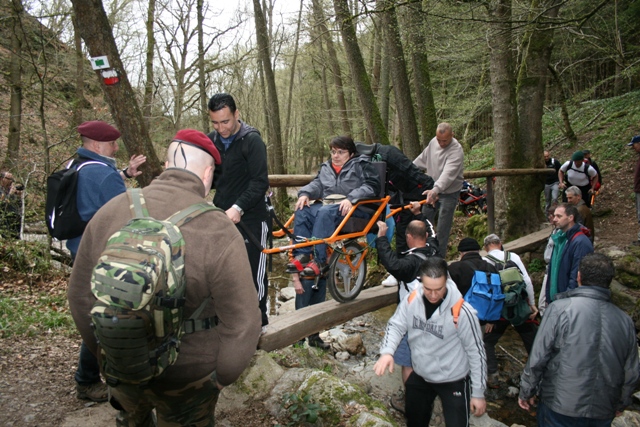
x: 216, y: 268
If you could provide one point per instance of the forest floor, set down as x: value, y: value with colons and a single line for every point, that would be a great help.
x: 36, y: 373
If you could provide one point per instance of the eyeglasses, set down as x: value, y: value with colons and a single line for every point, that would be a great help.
x: 339, y: 152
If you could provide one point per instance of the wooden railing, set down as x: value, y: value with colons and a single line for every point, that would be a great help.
x: 300, y: 180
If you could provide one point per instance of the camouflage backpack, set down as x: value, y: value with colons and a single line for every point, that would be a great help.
x: 139, y: 284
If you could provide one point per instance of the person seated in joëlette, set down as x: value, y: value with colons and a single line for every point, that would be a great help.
x: 342, y: 180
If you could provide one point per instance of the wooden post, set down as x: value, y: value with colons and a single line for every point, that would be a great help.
x: 491, y: 217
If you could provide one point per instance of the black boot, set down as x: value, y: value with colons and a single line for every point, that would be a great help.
x: 316, y: 341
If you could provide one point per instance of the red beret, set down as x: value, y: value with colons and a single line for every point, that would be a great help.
x: 197, y: 139
x: 99, y: 131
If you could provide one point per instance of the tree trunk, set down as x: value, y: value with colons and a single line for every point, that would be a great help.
x: 384, y: 91
x: 98, y: 37
x: 318, y: 14
x: 149, y: 83
x: 401, y: 86
x: 291, y: 80
x: 531, y: 85
x: 273, y: 108
x: 377, y: 131
x: 421, y: 76
x: 15, y: 78
x: 562, y: 100
x: 80, y: 102
x: 512, y: 200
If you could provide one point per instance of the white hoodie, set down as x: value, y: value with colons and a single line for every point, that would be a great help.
x: 440, y: 352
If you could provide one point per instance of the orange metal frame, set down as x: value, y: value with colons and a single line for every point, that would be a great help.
x: 337, y: 236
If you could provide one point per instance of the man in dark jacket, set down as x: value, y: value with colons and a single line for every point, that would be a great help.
x: 571, y: 244
x: 551, y: 190
x: 462, y: 271
x: 584, y: 362
x: 241, y: 183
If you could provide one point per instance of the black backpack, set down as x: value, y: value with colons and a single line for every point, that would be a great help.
x: 61, y: 211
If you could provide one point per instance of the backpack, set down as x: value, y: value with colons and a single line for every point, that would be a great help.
x: 516, y: 304
x: 140, y: 286
x: 485, y: 295
x: 412, y: 283
x: 61, y: 209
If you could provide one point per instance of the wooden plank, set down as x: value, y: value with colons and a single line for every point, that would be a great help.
x: 291, y: 327
x: 527, y: 243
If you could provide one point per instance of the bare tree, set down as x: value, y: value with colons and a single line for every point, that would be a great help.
x: 373, y: 121
x: 151, y: 46
x: 15, y: 78
x: 401, y: 86
x: 98, y: 37
x: 325, y: 35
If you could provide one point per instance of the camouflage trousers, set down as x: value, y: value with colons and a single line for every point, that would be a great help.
x: 192, y: 405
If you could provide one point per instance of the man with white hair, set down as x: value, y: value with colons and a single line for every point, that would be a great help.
x: 443, y: 160
x: 216, y: 269
x: 493, y: 332
x: 574, y: 197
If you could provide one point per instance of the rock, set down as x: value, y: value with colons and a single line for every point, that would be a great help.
x: 350, y: 343
x: 485, y: 421
x: 366, y: 419
x: 621, y: 297
x: 287, y: 294
x: 627, y: 419
x: 255, y: 382
x: 614, y: 253
x: 342, y: 356
x: 334, y: 334
x: 513, y: 391
x: 287, y: 307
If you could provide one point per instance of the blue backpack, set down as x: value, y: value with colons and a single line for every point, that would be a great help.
x: 485, y: 295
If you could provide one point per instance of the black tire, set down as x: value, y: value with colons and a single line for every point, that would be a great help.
x: 343, y: 280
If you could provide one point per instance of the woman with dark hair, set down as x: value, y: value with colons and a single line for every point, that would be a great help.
x: 345, y: 174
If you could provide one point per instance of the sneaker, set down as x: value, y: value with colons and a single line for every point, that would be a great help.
x: 316, y: 341
x: 493, y: 380
x: 313, y: 269
x: 96, y: 392
x: 297, y: 263
x: 397, y: 401
x: 389, y: 281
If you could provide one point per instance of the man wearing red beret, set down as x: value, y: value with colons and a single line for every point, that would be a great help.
x: 241, y: 183
x: 186, y: 393
x: 98, y: 182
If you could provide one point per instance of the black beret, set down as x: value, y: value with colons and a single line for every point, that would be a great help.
x: 468, y: 244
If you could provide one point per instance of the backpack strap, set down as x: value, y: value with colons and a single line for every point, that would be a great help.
x: 455, y: 311
x: 419, y: 255
x: 193, y: 324
x: 137, y: 203
x: 182, y: 217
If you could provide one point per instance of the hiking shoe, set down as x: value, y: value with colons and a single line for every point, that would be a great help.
x: 313, y: 269
x: 297, y: 263
x: 493, y: 380
x: 316, y: 341
x: 636, y: 243
x: 96, y: 392
x: 397, y: 401
x: 389, y: 281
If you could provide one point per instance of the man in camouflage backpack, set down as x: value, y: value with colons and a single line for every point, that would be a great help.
x: 187, y: 391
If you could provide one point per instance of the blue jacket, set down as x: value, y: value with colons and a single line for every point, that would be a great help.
x: 97, y: 184
x: 578, y: 245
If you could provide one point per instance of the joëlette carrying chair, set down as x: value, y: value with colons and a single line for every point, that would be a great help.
x: 347, y: 247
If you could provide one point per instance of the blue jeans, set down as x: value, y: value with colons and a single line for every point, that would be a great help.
x: 311, y: 296
x: 88, y: 371
x: 551, y: 193
x: 319, y: 221
x: 445, y: 208
x: 549, y: 418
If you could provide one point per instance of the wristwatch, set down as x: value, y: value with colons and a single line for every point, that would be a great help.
x: 125, y: 172
x: 239, y: 209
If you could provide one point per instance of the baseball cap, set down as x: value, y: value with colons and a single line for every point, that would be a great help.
x: 634, y: 140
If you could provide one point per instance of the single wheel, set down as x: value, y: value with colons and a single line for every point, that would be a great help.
x: 347, y: 271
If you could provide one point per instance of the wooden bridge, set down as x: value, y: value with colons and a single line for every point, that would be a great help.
x: 291, y: 327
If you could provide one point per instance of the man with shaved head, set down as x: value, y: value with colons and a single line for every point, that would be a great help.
x: 216, y: 269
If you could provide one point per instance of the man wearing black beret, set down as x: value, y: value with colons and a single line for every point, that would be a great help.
x: 98, y: 182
